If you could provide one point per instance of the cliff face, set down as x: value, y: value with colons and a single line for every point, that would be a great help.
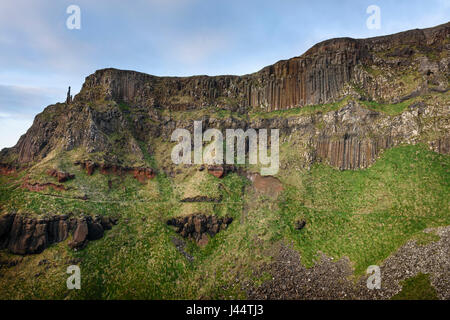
x: 26, y: 235
x: 118, y: 113
x: 318, y: 76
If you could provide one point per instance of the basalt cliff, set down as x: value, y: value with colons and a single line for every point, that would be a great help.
x: 363, y: 180
x: 119, y: 112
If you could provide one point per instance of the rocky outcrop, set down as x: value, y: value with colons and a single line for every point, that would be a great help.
x: 199, y: 226
x: 348, y: 153
x: 140, y: 173
x: 89, y: 166
x: 220, y: 170
x: 69, y: 97
x: 119, y: 111
x: 60, y: 175
x: 318, y: 76
x: 143, y: 174
x: 266, y: 185
x: 37, y: 186
x: 299, y: 224
x: 27, y: 235
x: 217, y: 171
x: 7, y: 169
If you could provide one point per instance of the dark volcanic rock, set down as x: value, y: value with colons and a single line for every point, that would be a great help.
x: 60, y: 175
x: 220, y: 170
x: 26, y: 235
x: 299, y: 224
x: 7, y: 169
x: 6, y: 222
x: 42, y: 186
x: 80, y: 235
x: 95, y: 229
x: 350, y: 152
x: 365, y: 69
x: 198, y: 226
x: 141, y: 174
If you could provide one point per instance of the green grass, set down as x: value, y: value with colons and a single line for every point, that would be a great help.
x: 417, y: 288
x: 301, y: 111
x: 366, y: 214
x: 390, y: 109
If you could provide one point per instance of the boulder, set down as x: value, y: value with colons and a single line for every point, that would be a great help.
x: 60, y: 175
x: 299, y: 224
x: 217, y: 171
x: 95, y: 229
x: 79, y: 239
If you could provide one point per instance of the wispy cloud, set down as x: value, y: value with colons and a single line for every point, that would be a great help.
x: 20, y: 100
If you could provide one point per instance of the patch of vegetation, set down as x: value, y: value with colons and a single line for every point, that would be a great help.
x: 390, y: 109
x: 417, y: 288
x: 305, y: 110
x: 425, y: 238
x: 124, y: 107
x: 365, y: 214
x: 373, y: 70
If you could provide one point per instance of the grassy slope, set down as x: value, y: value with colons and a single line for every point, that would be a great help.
x: 365, y: 215
x: 417, y: 288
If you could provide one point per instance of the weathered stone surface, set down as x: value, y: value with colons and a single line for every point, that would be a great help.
x: 143, y: 174
x: 6, y: 222
x: 299, y: 224
x: 80, y: 235
x: 7, y: 169
x: 220, y: 170
x: 368, y: 69
x: 199, y: 226
x: 36, y: 186
x: 217, y: 171
x: 140, y: 173
x: 267, y: 185
x: 60, y: 175
x: 350, y: 152
x: 27, y: 235
x: 318, y: 76
x: 95, y: 229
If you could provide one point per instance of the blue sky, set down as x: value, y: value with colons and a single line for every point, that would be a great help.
x: 40, y: 57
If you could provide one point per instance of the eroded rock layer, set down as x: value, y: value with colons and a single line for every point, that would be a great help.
x: 141, y: 174
x: 198, y: 226
x: 118, y: 114
x: 351, y: 152
x: 27, y: 235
